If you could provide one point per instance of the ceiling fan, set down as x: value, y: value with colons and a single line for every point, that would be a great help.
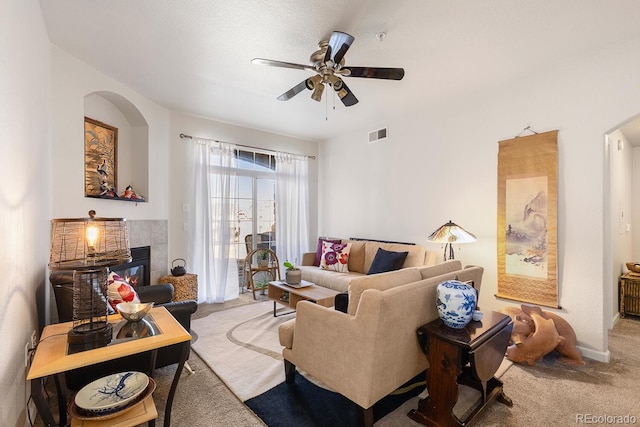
x: 328, y: 63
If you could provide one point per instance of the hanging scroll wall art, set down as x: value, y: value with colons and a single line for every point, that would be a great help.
x: 527, y: 219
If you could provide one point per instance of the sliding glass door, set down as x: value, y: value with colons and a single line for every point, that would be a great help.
x: 255, y: 216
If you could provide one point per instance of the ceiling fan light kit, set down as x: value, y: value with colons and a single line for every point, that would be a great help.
x: 328, y: 62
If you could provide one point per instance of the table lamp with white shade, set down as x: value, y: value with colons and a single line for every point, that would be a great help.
x: 449, y: 234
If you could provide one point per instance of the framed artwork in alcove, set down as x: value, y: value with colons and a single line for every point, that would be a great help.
x: 100, y: 159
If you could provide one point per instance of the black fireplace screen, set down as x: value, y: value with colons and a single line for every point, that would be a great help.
x: 136, y: 272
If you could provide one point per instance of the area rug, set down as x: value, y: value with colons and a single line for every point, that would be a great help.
x: 305, y: 404
x: 241, y: 346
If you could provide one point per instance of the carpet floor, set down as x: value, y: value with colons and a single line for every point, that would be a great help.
x: 548, y: 393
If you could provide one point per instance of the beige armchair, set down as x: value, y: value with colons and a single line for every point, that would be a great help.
x: 367, y: 355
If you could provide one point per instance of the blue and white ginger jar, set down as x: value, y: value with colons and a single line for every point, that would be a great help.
x: 456, y: 301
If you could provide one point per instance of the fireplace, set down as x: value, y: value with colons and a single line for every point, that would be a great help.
x: 136, y: 272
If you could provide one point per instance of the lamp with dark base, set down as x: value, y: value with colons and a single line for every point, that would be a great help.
x: 91, y: 328
x: 88, y: 246
x: 449, y: 234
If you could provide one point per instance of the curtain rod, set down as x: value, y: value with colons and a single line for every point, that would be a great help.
x: 182, y: 135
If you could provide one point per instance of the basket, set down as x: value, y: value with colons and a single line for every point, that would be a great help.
x: 634, y: 266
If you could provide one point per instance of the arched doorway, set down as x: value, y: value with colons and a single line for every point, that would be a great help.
x: 622, y: 209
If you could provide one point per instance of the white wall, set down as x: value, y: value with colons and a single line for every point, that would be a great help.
x: 635, y: 205
x: 24, y: 192
x: 211, y: 129
x: 441, y: 164
x: 620, y: 174
x: 72, y: 80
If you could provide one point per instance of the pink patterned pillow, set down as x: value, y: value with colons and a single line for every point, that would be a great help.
x: 335, y: 256
x: 118, y: 290
x: 316, y: 261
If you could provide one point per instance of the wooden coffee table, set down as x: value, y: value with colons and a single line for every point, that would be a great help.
x: 278, y: 290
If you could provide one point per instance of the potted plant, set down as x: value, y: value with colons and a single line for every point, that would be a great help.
x: 293, y: 275
x: 263, y: 258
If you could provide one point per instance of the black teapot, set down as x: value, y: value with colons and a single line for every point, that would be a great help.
x: 178, y: 270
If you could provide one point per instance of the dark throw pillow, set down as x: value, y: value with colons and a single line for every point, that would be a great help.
x: 316, y: 261
x: 387, y: 261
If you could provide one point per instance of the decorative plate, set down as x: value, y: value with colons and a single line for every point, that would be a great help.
x: 82, y: 414
x: 111, y: 392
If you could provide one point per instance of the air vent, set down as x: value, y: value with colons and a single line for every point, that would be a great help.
x: 378, y: 135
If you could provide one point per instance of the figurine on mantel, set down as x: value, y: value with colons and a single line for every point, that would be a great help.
x: 130, y: 194
x: 107, y: 191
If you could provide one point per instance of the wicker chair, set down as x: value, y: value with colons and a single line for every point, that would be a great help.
x: 252, y: 266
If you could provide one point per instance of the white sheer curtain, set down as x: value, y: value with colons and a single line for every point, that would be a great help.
x: 210, y: 234
x: 292, y: 206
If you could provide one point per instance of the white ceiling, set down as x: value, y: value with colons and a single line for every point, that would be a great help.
x: 195, y: 56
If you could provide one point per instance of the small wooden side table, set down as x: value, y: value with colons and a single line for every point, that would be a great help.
x: 184, y: 287
x: 629, y: 299
x: 469, y: 356
x: 52, y: 358
x: 144, y: 412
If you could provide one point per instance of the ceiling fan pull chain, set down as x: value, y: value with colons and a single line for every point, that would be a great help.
x: 326, y: 109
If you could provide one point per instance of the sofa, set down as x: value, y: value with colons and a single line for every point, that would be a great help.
x: 361, y: 258
x: 372, y: 349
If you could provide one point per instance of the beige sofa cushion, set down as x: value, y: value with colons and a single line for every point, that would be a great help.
x: 328, y: 279
x: 382, y: 281
x: 438, y: 269
x: 363, y: 253
x: 356, y: 256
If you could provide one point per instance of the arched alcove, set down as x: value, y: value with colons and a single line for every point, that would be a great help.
x: 132, y: 154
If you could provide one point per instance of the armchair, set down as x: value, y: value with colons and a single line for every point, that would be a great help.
x: 368, y: 354
x: 161, y: 295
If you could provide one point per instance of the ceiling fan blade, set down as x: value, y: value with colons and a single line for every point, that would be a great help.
x: 294, y: 91
x: 373, y: 72
x: 344, y: 93
x: 281, y: 64
x: 338, y: 46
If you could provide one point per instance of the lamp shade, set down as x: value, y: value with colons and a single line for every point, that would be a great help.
x: 88, y: 243
x: 451, y: 233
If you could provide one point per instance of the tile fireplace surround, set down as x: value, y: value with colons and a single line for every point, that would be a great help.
x: 153, y: 233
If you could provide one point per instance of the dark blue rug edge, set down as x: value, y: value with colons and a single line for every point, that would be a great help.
x: 304, y: 404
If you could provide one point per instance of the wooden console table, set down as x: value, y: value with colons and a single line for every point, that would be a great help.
x: 468, y: 356
x: 52, y: 358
